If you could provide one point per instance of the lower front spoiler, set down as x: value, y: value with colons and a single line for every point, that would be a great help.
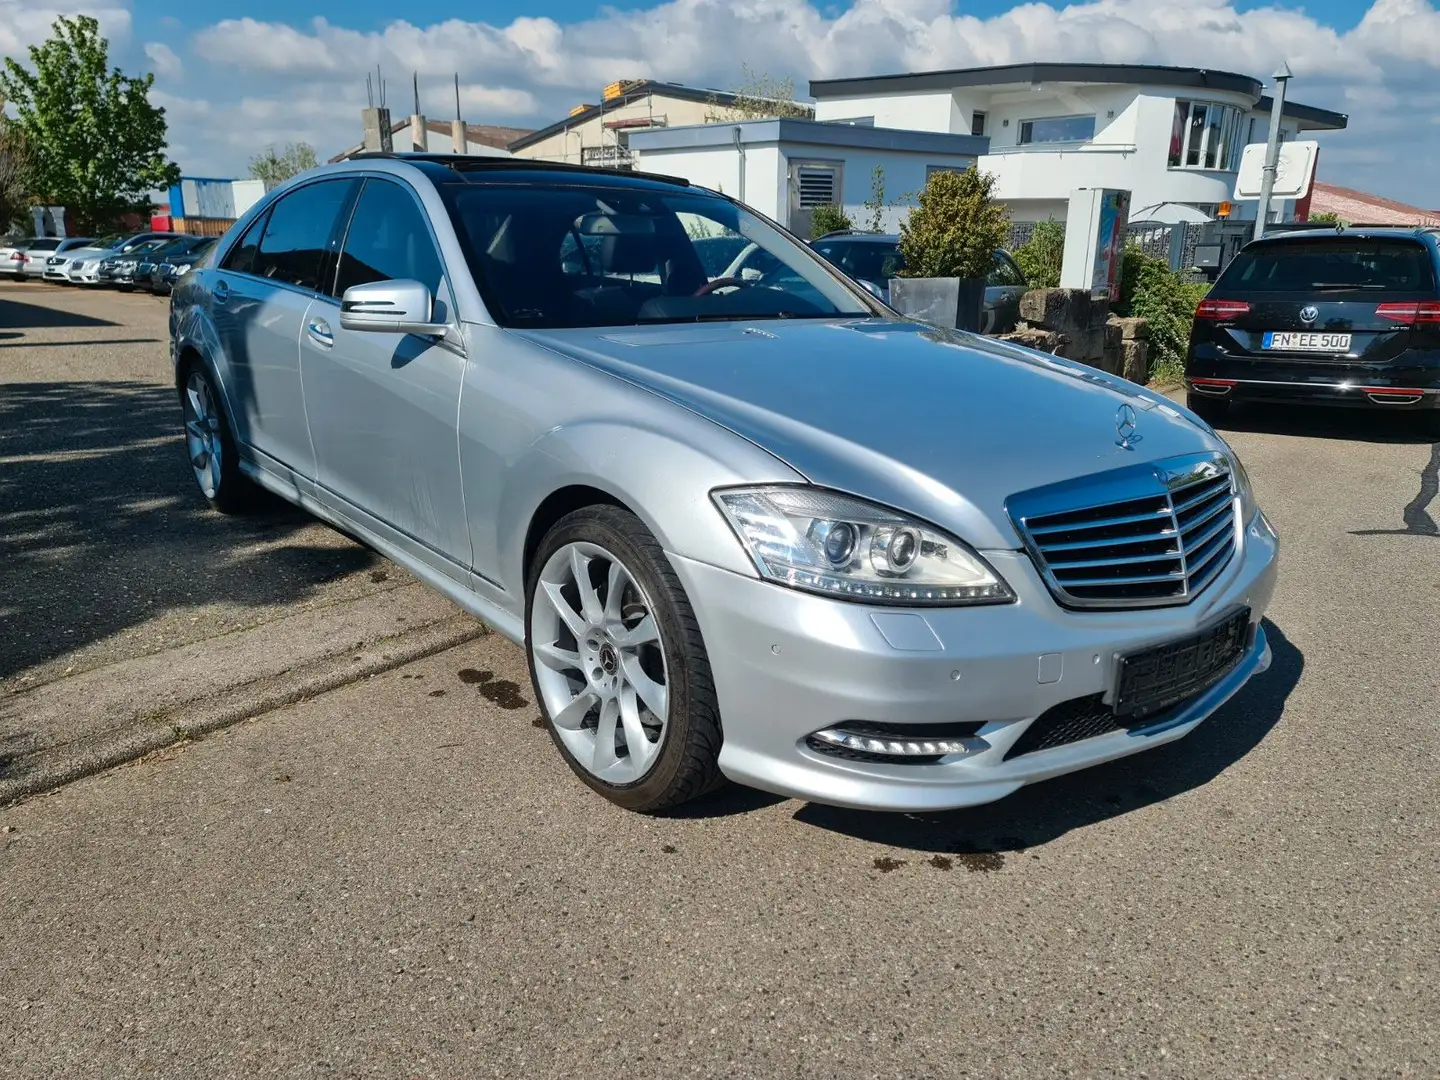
x: 986, y: 776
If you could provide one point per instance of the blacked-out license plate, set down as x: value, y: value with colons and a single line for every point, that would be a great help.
x: 1154, y: 679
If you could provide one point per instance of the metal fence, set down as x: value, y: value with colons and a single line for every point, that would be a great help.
x: 1175, y: 244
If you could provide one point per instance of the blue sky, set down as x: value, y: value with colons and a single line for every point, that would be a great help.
x: 163, y: 22
x: 236, y: 77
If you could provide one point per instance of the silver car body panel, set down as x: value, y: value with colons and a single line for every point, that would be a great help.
x: 443, y: 455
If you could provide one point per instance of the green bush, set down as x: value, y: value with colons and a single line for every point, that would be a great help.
x: 828, y: 219
x: 1039, y: 258
x: 1149, y: 289
x: 956, y: 228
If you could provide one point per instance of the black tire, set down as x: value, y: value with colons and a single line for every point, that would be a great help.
x: 126, y: 288
x: 687, y: 766
x: 1207, y: 408
x: 235, y: 493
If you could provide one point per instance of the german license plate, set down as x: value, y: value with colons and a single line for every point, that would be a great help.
x: 1154, y: 679
x: 1306, y: 341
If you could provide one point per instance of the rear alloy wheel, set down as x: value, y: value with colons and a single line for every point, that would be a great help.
x: 211, y: 448
x: 618, y: 664
x: 1208, y: 409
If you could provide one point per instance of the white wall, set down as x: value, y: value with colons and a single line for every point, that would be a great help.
x: 718, y: 168
x: 911, y: 112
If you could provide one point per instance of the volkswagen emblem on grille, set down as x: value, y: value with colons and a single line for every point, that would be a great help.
x: 1125, y: 428
x: 1309, y: 313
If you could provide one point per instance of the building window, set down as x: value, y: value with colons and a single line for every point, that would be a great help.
x: 1207, y: 135
x: 977, y: 123
x: 1051, y: 129
x: 855, y: 121
x: 931, y: 170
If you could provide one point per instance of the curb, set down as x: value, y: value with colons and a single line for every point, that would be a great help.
x: 137, y: 736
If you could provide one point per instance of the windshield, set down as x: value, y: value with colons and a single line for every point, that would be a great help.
x: 609, y: 255
x: 867, y: 260
x: 1308, y: 266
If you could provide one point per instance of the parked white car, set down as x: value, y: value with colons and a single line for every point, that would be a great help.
x: 56, y: 266
x: 13, y: 257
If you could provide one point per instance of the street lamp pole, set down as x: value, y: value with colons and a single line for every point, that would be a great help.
x: 1272, y: 150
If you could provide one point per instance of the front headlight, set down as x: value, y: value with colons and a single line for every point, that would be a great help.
x: 1248, y: 505
x: 836, y: 545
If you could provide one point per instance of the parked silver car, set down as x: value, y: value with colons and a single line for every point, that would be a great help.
x: 744, y: 528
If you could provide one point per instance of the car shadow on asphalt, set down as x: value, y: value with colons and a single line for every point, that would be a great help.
x: 1328, y: 422
x: 1041, y: 812
x: 102, y: 527
x: 18, y: 315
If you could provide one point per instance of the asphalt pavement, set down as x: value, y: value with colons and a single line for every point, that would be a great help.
x: 400, y: 878
x: 123, y: 598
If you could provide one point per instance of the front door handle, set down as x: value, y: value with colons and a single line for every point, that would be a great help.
x: 320, y: 333
x: 222, y: 291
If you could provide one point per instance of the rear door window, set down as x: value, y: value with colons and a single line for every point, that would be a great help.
x: 297, y: 235
x: 1359, y: 265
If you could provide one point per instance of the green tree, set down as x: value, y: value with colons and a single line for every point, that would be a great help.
x: 827, y: 219
x: 957, y: 227
x: 276, y: 168
x: 1041, y: 256
x: 95, y: 144
x: 875, y: 204
x: 1328, y: 218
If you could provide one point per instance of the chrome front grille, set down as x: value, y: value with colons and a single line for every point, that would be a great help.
x: 1144, y: 536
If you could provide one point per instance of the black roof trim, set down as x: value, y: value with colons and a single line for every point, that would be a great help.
x: 639, y: 90
x: 468, y: 163
x: 1309, y: 114
x: 1130, y: 74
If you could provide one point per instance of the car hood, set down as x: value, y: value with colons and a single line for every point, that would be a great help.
x: 944, y: 425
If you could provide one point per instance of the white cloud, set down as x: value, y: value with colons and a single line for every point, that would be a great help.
x: 164, y: 61
x: 28, y: 22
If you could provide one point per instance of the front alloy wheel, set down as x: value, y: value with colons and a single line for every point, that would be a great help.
x: 617, y: 661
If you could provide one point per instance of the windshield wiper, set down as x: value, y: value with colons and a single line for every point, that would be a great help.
x: 1344, y: 287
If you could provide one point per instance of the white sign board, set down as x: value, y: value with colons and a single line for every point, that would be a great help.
x: 1294, y: 171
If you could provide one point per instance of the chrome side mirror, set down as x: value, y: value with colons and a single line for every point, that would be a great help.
x: 872, y: 289
x: 390, y: 307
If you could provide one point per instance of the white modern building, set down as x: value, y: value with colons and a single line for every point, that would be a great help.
x: 786, y: 168
x: 1172, y: 136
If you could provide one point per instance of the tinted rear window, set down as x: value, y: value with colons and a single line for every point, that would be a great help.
x: 1359, y: 264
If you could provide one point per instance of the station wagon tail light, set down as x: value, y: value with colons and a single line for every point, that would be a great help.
x: 1221, y: 309
x: 1410, y: 312
x: 836, y: 545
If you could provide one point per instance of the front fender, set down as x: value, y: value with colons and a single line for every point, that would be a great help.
x: 665, y: 479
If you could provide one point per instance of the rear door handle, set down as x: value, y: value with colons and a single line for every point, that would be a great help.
x: 320, y: 333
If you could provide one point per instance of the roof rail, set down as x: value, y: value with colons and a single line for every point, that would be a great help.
x: 837, y: 232
x: 484, y: 162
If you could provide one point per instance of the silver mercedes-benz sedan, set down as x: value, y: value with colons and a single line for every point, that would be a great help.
x: 755, y: 527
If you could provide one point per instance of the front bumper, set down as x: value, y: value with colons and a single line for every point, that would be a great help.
x: 787, y: 664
